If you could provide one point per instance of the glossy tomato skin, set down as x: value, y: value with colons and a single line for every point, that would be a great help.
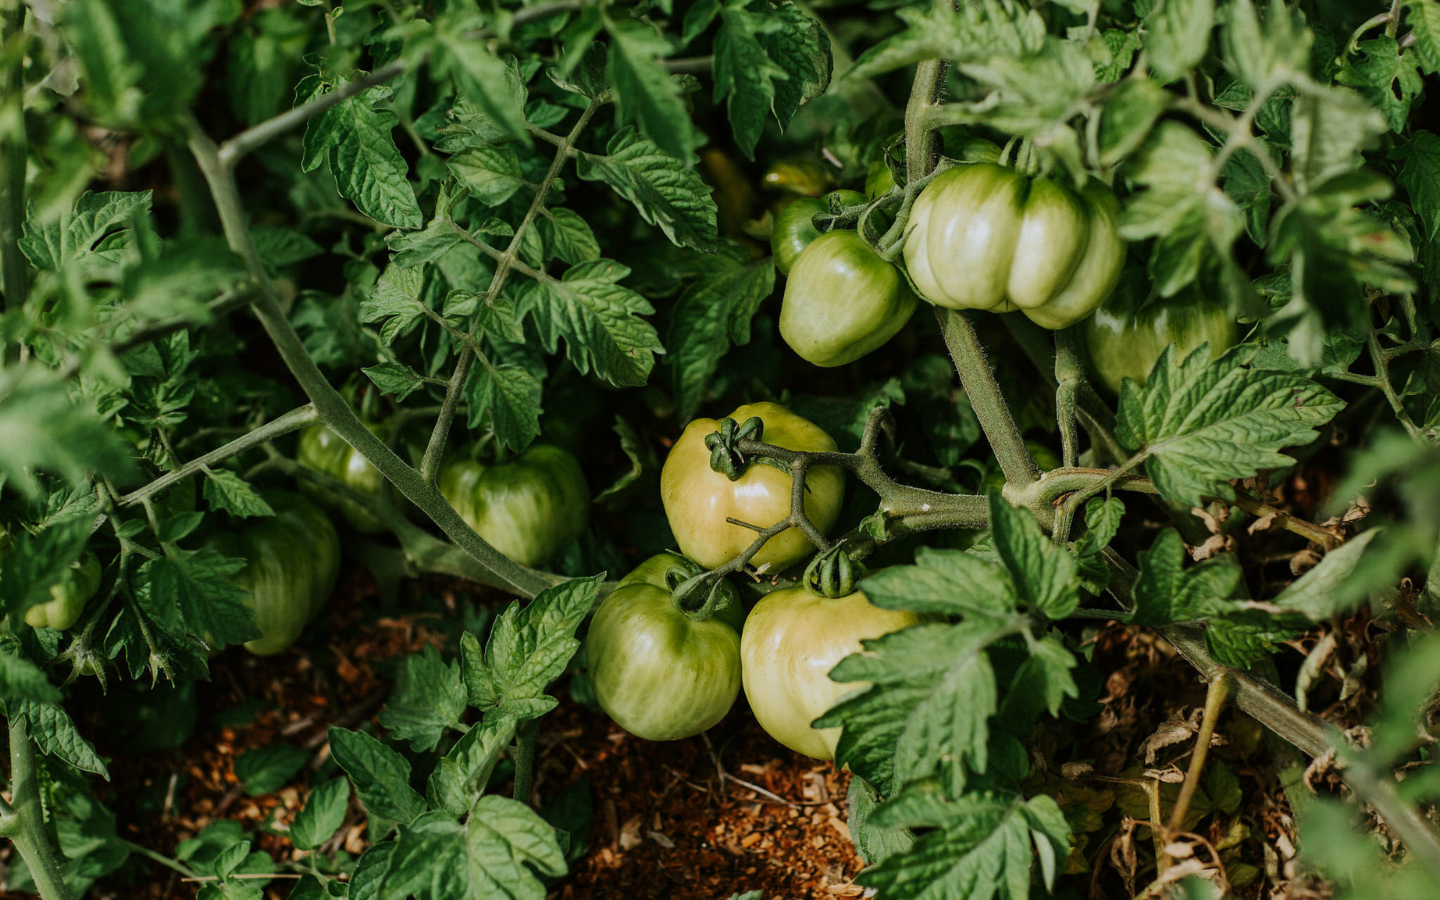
x: 986, y: 237
x: 795, y: 227
x: 792, y: 639
x: 528, y: 508
x: 292, y: 561
x: 325, y: 451
x: 1122, y: 344
x: 68, y: 596
x: 698, y: 499
x: 804, y: 177
x: 842, y: 301
x: 660, y: 675
x: 879, y: 180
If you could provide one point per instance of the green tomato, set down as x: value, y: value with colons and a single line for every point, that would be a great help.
x: 792, y: 639
x: 528, y: 508
x: 1122, y: 344
x: 698, y: 500
x: 68, y: 596
x: 879, y: 180
x: 658, y: 673
x: 795, y: 226
x: 324, y: 451
x: 842, y: 301
x: 986, y: 237
x: 292, y: 561
x: 805, y: 177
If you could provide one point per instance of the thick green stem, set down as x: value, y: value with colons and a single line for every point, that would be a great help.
x: 334, y: 410
x: 921, y: 141
x: 1068, y: 377
x: 25, y: 822
x: 14, y: 273
x: 525, y: 760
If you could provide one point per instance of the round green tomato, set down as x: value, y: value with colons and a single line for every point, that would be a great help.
x: 292, y: 560
x: 986, y: 237
x: 324, y: 451
x: 1123, y: 344
x: 528, y: 508
x: 792, y: 639
x: 795, y: 226
x: 842, y: 301
x: 805, y: 177
x: 68, y: 596
x: 698, y: 500
x: 659, y: 674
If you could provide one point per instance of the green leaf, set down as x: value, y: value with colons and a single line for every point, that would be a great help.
x: 200, y: 584
x: 264, y: 770
x: 381, y: 776
x: 715, y: 310
x: 44, y: 429
x: 495, y: 853
x: 638, y: 451
x: 568, y: 236
x: 228, y: 491
x: 925, y: 713
x: 801, y: 47
x: 528, y: 648
x: 1329, y: 128
x: 965, y: 33
x: 978, y: 845
x: 743, y: 70
x: 507, y: 398
x: 1420, y: 176
x: 1102, y: 522
x: 945, y: 582
x: 599, y: 319
x: 1168, y: 592
x: 645, y: 94
x: 369, y: 877
x: 1044, y: 573
x: 22, y: 681
x: 460, y: 779
x: 396, y: 300
x: 1131, y: 112
x: 36, y: 563
x: 491, y: 174
x: 55, y: 734
x: 1385, y: 77
x: 354, y: 138
x: 1177, y: 36
x: 497, y: 89
x: 428, y: 700
x: 1267, y: 54
x: 1321, y: 592
x: 279, y: 247
x: 92, y: 234
x: 322, y: 816
x: 395, y: 379
x: 1424, y: 21
x: 665, y: 192
x: 873, y: 844
x: 1200, y: 423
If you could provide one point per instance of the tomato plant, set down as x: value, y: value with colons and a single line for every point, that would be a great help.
x: 480, y: 281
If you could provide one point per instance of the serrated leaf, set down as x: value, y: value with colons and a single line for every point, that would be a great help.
x: 493, y: 86
x: 598, y: 318
x: 55, y: 734
x: 490, y: 173
x: 1201, y: 423
x: 44, y: 429
x: 714, y: 311
x: 978, y: 845
x: 637, y: 450
x: 381, y: 776
x: 74, y: 239
x: 1168, y: 592
x: 665, y: 192
x: 946, y: 582
x: 497, y: 852
x: 1043, y: 573
x: 428, y: 699
x: 1420, y: 176
x: 1102, y: 522
x: 278, y: 247
x: 963, y: 33
x: 397, y: 301
x: 322, y: 816
x: 528, y: 648
x: 507, y: 398
x: 744, y: 72
x: 200, y: 585
x: 568, y: 236
x: 646, y: 95
x: 22, y: 681
x: 872, y: 843
x: 1319, y: 593
x: 392, y: 378
x: 1424, y: 21
x: 228, y: 491
x: 354, y: 137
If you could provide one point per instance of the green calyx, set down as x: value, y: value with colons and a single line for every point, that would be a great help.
x: 832, y: 573
x: 697, y: 593
x: 725, y: 455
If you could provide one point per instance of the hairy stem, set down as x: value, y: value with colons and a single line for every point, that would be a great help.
x: 25, y: 823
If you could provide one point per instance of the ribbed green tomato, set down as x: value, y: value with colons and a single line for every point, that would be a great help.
x: 795, y: 226
x: 842, y: 301
x: 68, y: 596
x: 292, y: 561
x: 326, y: 452
x: 658, y: 673
x: 1124, y: 344
x: 792, y: 639
x: 986, y: 237
x: 698, y: 499
x: 528, y: 508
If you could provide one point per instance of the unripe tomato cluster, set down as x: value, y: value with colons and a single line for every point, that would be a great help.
x: 662, y: 675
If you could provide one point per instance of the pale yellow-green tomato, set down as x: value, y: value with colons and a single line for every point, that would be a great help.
x: 528, y: 508
x: 68, y: 596
x: 698, y: 500
x: 792, y: 639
